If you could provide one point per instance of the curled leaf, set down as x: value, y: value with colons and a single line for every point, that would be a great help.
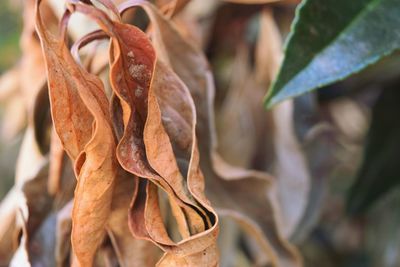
x: 81, y: 119
x: 148, y: 148
x: 225, y: 184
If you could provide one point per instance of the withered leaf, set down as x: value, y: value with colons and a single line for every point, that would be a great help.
x: 241, y: 115
x: 130, y: 251
x: 56, y: 163
x: 146, y: 146
x: 150, y: 185
x: 291, y: 170
x: 226, y: 186
x: 81, y: 119
x: 33, y: 206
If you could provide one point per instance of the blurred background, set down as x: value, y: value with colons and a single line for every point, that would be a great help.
x: 349, y: 132
x: 10, y: 31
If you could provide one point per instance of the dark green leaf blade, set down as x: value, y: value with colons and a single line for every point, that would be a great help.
x: 333, y: 39
x: 380, y: 171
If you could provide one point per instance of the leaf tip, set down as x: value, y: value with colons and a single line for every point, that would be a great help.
x: 271, y: 99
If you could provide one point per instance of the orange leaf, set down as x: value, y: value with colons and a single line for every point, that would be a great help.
x: 81, y: 119
x: 226, y: 186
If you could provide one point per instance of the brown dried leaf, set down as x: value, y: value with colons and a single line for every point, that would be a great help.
x: 130, y: 251
x: 242, y: 116
x: 146, y: 148
x: 226, y: 185
x: 56, y: 163
x: 293, y: 178
x: 81, y: 119
x: 33, y: 206
x: 291, y: 170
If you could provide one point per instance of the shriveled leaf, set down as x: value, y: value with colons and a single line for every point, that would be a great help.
x: 292, y: 170
x: 241, y: 116
x: 130, y: 251
x: 140, y: 83
x: 332, y: 40
x: 81, y: 119
x: 56, y: 164
x: 225, y: 185
x: 33, y: 206
x: 293, y: 178
x: 38, y: 201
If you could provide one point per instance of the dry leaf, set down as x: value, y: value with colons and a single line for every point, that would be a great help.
x: 225, y: 185
x: 293, y: 178
x: 120, y: 164
x: 130, y: 251
x: 242, y: 117
x: 34, y: 203
x: 81, y: 119
x: 56, y: 164
x: 145, y: 149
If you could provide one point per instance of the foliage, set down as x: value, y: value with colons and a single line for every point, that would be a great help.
x: 145, y: 141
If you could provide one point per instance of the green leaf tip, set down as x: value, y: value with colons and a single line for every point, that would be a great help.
x: 333, y: 39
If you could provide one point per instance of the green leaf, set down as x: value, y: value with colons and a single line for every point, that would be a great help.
x: 332, y: 39
x: 380, y: 170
